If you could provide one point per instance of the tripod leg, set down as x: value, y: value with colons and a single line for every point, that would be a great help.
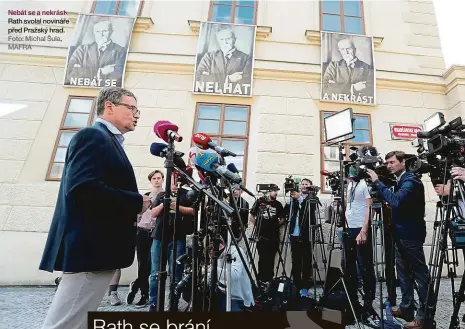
x: 350, y: 303
x: 458, y: 298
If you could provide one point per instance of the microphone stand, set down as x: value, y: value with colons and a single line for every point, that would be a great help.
x: 173, y: 300
x: 162, y: 273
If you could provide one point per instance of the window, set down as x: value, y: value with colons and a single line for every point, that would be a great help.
x: 79, y: 114
x: 130, y: 8
x: 330, y: 154
x: 342, y: 16
x: 233, y: 11
x: 228, y: 126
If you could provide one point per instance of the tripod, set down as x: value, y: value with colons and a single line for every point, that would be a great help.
x: 339, y: 217
x: 450, y: 224
x: 316, y: 237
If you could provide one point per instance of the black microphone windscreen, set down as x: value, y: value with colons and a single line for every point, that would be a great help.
x: 232, y: 167
x: 157, y: 148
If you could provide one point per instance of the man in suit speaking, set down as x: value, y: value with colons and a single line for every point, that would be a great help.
x: 226, y: 70
x: 350, y: 79
x: 97, y: 204
x: 100, y: 63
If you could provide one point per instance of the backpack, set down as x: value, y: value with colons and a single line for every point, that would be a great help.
x: 281, y: 295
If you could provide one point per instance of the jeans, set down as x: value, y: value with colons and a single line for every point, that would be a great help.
x: 156, y: 265
x: 411, y: 265
x: 361, y: 255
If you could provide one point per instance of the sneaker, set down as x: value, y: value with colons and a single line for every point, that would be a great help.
x: 143, y: 302
x: 131, y: 294
x: 114, y: 299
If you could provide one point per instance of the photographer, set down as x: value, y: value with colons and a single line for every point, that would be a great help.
x: 408, y: 211
x: 301, y: 249
x: 358, y: 243
x: 270, y: 213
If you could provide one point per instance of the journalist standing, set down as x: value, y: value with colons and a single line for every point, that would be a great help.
x: 97, y: 204
x: 408, y: 211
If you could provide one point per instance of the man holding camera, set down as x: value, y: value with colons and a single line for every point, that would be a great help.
x: 271, y: 216
x: 408, y: 211
x: 301, y: 249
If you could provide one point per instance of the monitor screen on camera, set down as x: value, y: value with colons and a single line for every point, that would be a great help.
x: 338, y: 125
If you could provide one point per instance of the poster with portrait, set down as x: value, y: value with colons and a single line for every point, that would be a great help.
x: 98, y: 52
x: 347, y: 69
x: 225, y: 58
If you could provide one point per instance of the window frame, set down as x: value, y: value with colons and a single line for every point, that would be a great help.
x: 63, y: 129
x: 118, y: 4
x: 347, y: 144
x: 233, y: 11
x: 341, y: 17
x: 220, y: 137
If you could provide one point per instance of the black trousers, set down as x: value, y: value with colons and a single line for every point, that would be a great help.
x: 301, y: 263
x: 143, y: 245
x: 390, y: 257
x: 267, y: 250
x: 363, y: 256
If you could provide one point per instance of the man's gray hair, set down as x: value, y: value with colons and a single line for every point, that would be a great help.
x: 111, y: 94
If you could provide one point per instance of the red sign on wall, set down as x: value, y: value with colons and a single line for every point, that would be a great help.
x: 407, y: 132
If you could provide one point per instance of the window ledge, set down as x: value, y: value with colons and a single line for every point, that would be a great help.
x: 261, y: 33
x: 142, y: 23
x: 315, y: 38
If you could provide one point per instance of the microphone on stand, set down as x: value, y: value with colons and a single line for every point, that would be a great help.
x: 204, y: 142
x: 159, y: 150
x: 167, y: 131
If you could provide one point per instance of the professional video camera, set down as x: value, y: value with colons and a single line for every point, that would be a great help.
x: 367, y: 157
x: 291, y: 185
x: 445, y: 148
x: 333, y: 180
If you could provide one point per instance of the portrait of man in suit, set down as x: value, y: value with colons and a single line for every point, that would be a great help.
x: 346, y: 78
x: 226, y: 69
x: 100, y: 63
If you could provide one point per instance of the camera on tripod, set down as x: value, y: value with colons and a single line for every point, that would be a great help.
x: 367, y: 157
x: 333, y: 180
x: 291, y: 185
x: 444, y: 149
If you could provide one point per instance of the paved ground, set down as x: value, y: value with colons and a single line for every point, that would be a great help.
x: 25, y: 307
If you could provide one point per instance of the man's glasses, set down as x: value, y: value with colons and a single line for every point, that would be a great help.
x: 133, y: 108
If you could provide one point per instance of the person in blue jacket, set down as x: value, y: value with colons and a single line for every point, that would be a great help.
x: 407, y: 201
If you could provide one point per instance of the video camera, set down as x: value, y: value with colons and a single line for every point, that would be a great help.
x: 367, y: 157
x: 291, y: 185
x: 445, y: 148
x: 333, y: 180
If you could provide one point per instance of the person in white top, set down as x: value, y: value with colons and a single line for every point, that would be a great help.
x: 241, y: 287
x: 358, y: 244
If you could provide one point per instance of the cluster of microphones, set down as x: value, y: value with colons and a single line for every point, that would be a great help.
x: 206, y: 156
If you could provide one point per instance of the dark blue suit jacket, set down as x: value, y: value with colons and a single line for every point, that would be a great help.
x: 93, y: 228
x: 408, y: 206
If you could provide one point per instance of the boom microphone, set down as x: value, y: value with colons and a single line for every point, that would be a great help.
x: 204, y: 142
x: 324, y: 173
x: 167, y: 131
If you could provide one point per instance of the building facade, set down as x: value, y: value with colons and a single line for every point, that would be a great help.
x: 274, y: 125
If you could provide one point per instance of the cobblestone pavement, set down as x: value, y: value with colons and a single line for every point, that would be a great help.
x: 26, y: 307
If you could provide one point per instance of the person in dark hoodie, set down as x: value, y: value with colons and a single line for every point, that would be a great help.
x: 408, y: 211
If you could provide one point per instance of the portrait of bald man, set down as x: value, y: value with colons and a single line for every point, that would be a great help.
x: 347, y: 78
x: 226, y: 69
x: 100, y: 63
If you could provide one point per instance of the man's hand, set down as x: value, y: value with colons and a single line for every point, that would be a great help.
x: 146, y: 202
x: 361, y: 237
x: 295, y: 195
x: 372, y: 174
x: 442, y: 189
x: 108, y: 69
x: 235, y: 77
x: 458, y: 173
x: 359, y: 86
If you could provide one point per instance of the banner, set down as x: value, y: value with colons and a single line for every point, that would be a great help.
x: 406, y: 132
x: 224, y: 61
x: 347, y: 69
x: 98, y: 52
